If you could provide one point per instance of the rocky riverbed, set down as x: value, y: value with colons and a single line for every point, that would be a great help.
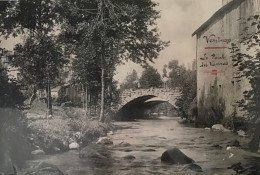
x: 136, y: 148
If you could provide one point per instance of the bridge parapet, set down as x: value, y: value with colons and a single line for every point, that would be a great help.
x: 170, y: 95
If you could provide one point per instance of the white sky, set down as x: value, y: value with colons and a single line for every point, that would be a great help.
x: 179, y: 19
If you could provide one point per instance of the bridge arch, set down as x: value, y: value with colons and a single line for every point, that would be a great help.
x: 134, y: 101
x: 169, y: 95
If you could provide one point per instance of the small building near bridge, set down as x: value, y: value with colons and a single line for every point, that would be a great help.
x: 218, y: 91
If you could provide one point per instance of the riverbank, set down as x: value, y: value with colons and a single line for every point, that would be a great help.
x: 68, y: 129
x: 137, y: 148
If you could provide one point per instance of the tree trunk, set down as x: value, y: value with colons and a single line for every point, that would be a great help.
x: 83, y: 100
x: 103, y: 52
x: 101, y: 118
x: 86, y: 100
x: 49, y: 101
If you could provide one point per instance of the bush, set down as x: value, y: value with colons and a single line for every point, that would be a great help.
x: 15, y: 148
x: 211, y: 107
x: 10, y: 94
x: 51, y: 133
x: 89, y: 130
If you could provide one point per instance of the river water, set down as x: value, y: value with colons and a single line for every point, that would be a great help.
x: 143, y: 142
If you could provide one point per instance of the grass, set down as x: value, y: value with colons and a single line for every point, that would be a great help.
x: 60, y: 130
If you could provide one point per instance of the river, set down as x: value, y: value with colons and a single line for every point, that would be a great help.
x: 147, y: 140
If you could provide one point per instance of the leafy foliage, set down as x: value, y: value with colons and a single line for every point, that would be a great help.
x: 127, y: 27
x: 105, y: 32
x: 211, y: 107
x: 165, y: 74
x: 10, y: 94
x: 246, y: 58
x: 40, y: 55
x: 186, y: 82
x: 39, y: 59
x: 150, y: 78
x: 19, y: 17
x: 247, y: 63
x: 15, y: 146
x: 177, y: 74
x: 130, y: 81
x: 187, y: 103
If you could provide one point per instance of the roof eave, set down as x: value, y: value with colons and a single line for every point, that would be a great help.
x: 219, y: 14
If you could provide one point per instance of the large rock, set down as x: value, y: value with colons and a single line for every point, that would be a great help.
x: 38, y: 152
x: 241, y: 133
x: 192, y: 167
x: 219, y: 127
x: 74, y: 145
x: 129, y: 157
x: 124, y: 144
x: 45, y: 169
x: 104, y: 141
x: 175, y: 156
x: 89, y: 152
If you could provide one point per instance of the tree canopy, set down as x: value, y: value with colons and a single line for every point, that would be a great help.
x: 131, y: 81
x: 39, y: 56
x: 10, y: 95
x: 100, y: 33
x: 106, y: 32
x: 186, y: 81
x: 150, y: 78
x: 39, y: 59
x: 128, y: 27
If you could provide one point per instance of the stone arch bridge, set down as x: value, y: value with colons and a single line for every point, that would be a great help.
x: 152, y: 94
x: 135, y: 102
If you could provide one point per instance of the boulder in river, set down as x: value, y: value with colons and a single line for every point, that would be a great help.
x: 45, y: 169
x: 193, y: 167
x: 234, y: 143
x: 124, y: 144
x: 219, y: 127
x: 90, y: 152
x: 129, y: 157
x: 104, y: 141
x: 241, y: 133
x: 74, y: 145
x: 38, y: 152
x: 175, y: 156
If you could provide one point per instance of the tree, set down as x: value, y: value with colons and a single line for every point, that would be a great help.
x: 186, y: 82
x: 25, y: 16
x: 165, y: 74
x: 39, y: 60
x: 117, y: 29
x: 10, y: 94
x: 187, y: 103
x: 247, y: 63
x: 130, y: 81
x: 150, y: 78
x: 177, y: 74
x: 39, y: 57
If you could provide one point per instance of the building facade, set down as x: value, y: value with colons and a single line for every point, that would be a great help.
x: 218, y: 91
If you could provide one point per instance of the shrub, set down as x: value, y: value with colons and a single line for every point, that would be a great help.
x: 211, y: 107
x: 14, y: 135
x: 89, y: 130
x: 51, y: 133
